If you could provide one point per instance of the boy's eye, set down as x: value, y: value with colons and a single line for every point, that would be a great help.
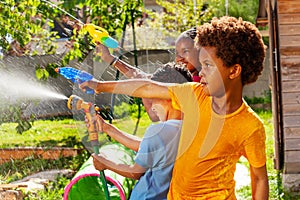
x: 185, y: 51
x: 207, y: 65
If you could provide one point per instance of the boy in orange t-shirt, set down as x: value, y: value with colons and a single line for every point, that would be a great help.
x: 218, y: 126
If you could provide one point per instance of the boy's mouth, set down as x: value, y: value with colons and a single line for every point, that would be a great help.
x: 203, y: 83
x: 182, y: 61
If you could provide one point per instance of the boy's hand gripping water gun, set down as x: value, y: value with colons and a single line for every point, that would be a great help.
x: 76, y: 76
x: 100, y: 35
x: 76, y: 103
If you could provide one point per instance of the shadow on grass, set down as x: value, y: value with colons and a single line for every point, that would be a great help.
x: 70, y: 141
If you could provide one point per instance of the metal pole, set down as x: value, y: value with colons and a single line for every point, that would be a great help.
x: 226, y: 7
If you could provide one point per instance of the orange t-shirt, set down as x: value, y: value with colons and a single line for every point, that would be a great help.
x: 211, y: 145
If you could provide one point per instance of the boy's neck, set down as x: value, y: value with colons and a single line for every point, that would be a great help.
x: 231, y: 100
x: 225, y: 105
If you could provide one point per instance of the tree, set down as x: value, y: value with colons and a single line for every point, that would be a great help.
x: 23, y: 22
x: 236, y: 8
x: 182, y: 15
x: 27, y: 22
x: 111, y: 15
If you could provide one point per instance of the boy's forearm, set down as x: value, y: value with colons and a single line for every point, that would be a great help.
x: 261, y: 190
x: 134, y: 87
x: 122, y: 169
x: 130, y: 71
x: 128, y: 140
x: 125, y: 68
x: 259, y: 183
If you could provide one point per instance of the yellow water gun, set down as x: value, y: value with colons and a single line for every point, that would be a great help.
x: 100, y: 35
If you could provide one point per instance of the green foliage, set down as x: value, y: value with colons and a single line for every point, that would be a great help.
x: 41, y: 73
x: 267, y: 98
x: 179, y: 16
x: 128, y: 110
x: 26, y: 25
x: 110, y: 15
x: 236, y: 8
x: 121, y: 110
x: 13, y: 113
x: 21, y: 24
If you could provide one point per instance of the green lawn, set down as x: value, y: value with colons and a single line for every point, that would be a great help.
x: 59, y: 132
x: 43, y: 133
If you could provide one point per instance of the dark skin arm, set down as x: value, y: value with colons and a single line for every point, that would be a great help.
x: 143, y: 88
x: 259, y: 183
x: 126, y: 69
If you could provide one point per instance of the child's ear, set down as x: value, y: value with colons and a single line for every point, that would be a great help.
x: 235, y: 71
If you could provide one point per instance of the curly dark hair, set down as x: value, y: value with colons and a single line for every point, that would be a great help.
x: 236, y: 42
x: 172, y: 73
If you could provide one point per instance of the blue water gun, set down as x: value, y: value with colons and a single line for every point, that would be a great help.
x: 76, y: 76
x: 100, y: 35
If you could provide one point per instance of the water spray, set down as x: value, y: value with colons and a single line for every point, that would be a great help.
x: 98, y: 33
x: 17, y: 86
x: 77, y: 103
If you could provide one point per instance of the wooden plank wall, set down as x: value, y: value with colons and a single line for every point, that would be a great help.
x: 289, y: 41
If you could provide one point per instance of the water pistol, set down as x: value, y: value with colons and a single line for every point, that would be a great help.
x: 100, y: 35
x: 76, y: 76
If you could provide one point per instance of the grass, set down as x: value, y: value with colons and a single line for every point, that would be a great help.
x: 43, y: 133
x: 67, y: 132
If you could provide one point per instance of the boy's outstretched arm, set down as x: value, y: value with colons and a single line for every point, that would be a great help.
x: 143, y: 88
x: 259, y: 183
x: 130, y: 171
x: 128, y: 140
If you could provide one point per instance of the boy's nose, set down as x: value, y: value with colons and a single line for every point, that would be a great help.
x: 201, y: 73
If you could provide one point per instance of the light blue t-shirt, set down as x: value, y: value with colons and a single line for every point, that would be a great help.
x: 157, y: 154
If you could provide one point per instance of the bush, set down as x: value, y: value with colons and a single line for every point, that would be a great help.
x: 128, y: 110
x: 256, y: 100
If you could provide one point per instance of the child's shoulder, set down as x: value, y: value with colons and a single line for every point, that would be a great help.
x: 251, y: 116
x: 163, y: 127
